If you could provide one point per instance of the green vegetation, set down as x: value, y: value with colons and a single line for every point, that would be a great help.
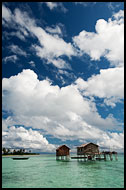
x: 6, y: 151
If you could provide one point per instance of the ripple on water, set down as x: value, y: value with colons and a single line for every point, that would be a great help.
x: 46, y: 172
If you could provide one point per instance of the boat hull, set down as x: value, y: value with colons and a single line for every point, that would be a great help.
x: 20, y: 158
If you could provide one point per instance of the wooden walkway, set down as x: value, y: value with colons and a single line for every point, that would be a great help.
x: 97, y: 156
x: 76, y: 157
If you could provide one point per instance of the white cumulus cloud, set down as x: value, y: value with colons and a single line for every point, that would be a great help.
x: 61, y: 112
x: 109, y: 84
x: 108, y: 41
x: 19, y: 137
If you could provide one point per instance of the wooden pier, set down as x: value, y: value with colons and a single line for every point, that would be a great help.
x: 78, y: 157
x: 96, y: 156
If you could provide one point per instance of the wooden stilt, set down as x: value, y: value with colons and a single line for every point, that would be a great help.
x: 111, y: 156
x: 116, y: 157
x: 105, y: 157
x: 67, y: 157
x: 81, y: 158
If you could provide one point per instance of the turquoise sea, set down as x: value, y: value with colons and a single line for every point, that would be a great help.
x: 43, y: 171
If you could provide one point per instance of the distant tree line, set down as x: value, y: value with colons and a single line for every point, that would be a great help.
x: 6, y: 151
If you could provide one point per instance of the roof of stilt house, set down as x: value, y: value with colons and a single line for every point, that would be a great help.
x: 62, y: 146
x: 84, y: 145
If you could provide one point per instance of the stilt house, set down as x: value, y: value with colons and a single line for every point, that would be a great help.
x: 63, y: 150
x: 89, y: 148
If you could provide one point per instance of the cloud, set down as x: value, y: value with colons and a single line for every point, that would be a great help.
x: 11, y: 58
x: 83, y: 132
x: 56, y: 6
x: 17, y: 34
x: 59, y: 63
x: 26, y: 138
x: 119, y: 16
x: 70, y: 112
x: 105, y: 42
x: 51, y: 46
x: 32, y: 63
x: 9, y: 21
x: 26, y: 84
x: 15, y: 49
x: 94, y: 44
x: 109, y: 84
x: 58, y: 47
x: 112, y: 140
x: 52, y: 5
x: 61, y: 112
x: 6, y: 14
x: 54, y: 30
x: 113, y: 5
x: 85, y: 4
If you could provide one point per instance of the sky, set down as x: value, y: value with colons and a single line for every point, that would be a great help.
x: 62, y: 75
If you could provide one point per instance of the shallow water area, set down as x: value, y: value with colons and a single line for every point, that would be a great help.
x: 43, y: 171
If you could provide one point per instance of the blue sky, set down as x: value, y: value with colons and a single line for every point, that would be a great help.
x: 62, y: 74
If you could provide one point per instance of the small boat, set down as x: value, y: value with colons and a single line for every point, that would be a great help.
x: 23, y: 158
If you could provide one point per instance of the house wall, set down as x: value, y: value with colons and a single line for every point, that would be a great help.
x: 91, y: 149
x: 63, y: 151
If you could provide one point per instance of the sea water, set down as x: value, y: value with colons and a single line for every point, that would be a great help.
x: 43, y: 171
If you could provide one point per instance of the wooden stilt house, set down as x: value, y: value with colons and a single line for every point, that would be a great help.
x: 62, y: 152
x: 88, y: 150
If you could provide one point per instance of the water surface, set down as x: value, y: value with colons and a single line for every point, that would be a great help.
x: 44, y: 171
